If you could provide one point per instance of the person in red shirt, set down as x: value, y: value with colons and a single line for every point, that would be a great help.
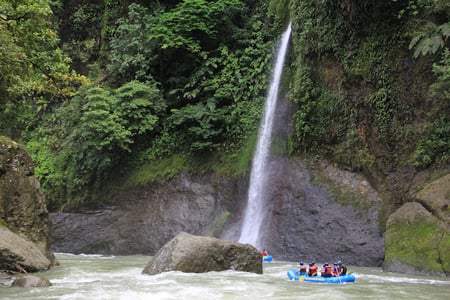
x: 264, y: 252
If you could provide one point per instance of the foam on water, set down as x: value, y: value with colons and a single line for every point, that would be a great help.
x: 87, y: 277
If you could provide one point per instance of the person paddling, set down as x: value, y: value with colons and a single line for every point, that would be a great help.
x: 302, y: 269
x: 327, y: 270
x: 342, y: 268
x: 335, y: 269
x: 312, y: 269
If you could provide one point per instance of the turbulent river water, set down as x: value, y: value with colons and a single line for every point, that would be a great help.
x: 120, y: 277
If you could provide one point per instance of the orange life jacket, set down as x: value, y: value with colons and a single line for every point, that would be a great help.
x: 328, y: 270
x: 312, y: 270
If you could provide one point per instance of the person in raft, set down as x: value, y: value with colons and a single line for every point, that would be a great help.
x: 327, y: 270
x: 302, y: 269
x: 264, y: 252
x: 342, y: 268
x: 312, y: 271
x: 336, y: 269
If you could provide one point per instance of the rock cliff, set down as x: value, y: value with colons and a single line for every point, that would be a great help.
x: 316, y: 213
x: 144, y: 218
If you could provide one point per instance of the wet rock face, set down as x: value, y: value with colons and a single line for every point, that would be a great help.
x: 305, y: 219
x: 198, y: 254
x: 143, y: 219
x: 24, y: 218
x: 322, y: 214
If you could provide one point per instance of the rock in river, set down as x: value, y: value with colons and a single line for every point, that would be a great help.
x: 198, y: 254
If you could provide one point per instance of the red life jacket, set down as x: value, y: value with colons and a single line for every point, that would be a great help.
x: 328, y: 270
x: 312, y: 270
x: 303, y: 268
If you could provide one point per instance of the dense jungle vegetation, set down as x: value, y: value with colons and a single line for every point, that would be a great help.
x: 103, y: 89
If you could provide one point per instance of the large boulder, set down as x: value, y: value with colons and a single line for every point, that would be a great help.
x: 24, y: 219
x: 417, y: 242
x: 15, y: 250
x: 435, y: 196
x: 197, y: 254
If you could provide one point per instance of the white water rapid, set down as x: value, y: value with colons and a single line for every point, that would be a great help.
x: 255, y: 212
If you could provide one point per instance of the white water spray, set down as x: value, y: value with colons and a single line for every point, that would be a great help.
x: 255, y: 212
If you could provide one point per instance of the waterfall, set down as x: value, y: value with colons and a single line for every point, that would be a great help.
x: 255, y: 212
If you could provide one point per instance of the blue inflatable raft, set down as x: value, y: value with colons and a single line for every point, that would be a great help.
x: 293, y: 275
x: 267, y: 258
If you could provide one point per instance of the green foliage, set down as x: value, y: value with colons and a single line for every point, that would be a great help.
x: 203, y: 124
x: 434, y: 148
x: 94, y: 135
x: 347, y: 79
x: 154, y: 169
x: 383, y: 106
x: 226, y: 110
x: 140, y: 106
x: 181, y: 77
x: 319, y: 119
x: 131, y: 54
x: 440, y: 90
x: 431, y: 40
x: 33, y: 68
x: 429, y: 24
x: 279, y: 11
x: 219, y: 74
x: 354, y: 153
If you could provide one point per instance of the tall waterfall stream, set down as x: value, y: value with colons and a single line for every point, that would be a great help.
x: 255, y: 212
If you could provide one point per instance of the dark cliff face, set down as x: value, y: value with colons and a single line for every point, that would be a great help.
x: 22, y: 205
x: 141, y: 220
x: 304, y: 221
x: 322, y: 213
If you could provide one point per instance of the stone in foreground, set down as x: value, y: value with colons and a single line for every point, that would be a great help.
x: 199, y: 254
x: 28, y: 281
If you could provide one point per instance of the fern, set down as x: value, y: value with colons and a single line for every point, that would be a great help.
x: 430, y: 41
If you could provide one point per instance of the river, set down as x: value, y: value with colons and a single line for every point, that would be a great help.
x: 119, y: 277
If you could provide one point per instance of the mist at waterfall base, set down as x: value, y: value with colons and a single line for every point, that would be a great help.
x: 255, y: 210
x: 109, y: 277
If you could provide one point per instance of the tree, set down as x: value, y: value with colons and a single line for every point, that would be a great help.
x: 94, y: 133
x: 34, y: 71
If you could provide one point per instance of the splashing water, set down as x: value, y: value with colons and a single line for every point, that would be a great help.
x: 255, y: 212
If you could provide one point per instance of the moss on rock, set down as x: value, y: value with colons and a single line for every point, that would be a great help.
x: 416, y: 242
